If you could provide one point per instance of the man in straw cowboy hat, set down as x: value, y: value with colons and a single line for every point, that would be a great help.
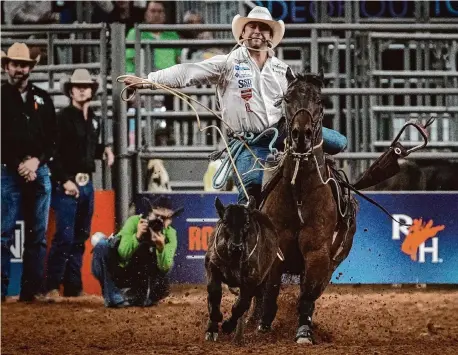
x: 132, y: 266
x: 28, y: 143
x: 73, y: 191
x: 250, y: 80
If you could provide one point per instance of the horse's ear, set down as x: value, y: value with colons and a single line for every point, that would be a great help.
x: 251, y: 203
x: 289, y: 75
x: 321, y: 75
x: 219, y: 207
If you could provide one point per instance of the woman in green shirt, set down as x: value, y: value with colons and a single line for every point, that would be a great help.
x: 137, y: 259
x: 163, y: 57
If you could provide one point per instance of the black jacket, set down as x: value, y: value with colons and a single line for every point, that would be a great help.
x: 77, y: 144
x: 28, y: 128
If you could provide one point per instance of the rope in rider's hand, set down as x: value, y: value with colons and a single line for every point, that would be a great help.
x: 145, y: 83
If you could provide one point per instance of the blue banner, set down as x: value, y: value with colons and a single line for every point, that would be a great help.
x: 383, y: 252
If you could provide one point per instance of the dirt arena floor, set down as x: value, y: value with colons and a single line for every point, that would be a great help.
x: 349, y: 320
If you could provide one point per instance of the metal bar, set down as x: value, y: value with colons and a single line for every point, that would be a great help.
x: 57, y: 42
x: 372, y: 100
x: 319, y: 26
x: 122, y: 181
x: 206, y: 43
x: 415, y: 73
x: 396, y: 91
x: 53, y: 27
x: 138, y: 118
x: 409, y: 109
x: 149, y: 129
x: 409, y: 36
x: 50, y: 53
x: 65, y: 67
x: 106, y: 171
x: 314, y: 52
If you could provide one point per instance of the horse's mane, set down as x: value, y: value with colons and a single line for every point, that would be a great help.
x: 310, y: 78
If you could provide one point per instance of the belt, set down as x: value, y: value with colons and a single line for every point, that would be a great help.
x: 82, y: 179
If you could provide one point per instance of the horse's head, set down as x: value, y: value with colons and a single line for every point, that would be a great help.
x: 235, y: 224
x: 304, y: 111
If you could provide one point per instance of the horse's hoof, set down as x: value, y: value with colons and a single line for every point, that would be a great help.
x: 228, y: 327
x: 306, y: 341
x: 209, y: 336
x: 264, y: 328
x: 304, y: 335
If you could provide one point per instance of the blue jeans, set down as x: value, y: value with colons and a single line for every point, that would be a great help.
x: 140, y: 283
x: 32, y: 199
x: 102, y: 261
x: 73, y: 225
x: 333, y: 143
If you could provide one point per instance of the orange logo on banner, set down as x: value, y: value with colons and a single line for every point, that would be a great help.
x: 198, y: 237
x: 419, y: 233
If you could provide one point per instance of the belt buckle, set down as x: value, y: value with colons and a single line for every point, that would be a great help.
x: 82, y: 179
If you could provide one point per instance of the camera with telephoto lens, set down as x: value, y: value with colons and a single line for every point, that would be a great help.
x: 156, y: 225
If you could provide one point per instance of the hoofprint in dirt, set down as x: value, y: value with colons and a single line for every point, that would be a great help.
x: 349, y: 320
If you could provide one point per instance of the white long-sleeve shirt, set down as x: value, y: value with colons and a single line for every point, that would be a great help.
x: 246, y: 94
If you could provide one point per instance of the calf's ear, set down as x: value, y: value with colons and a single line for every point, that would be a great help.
x: 219, y: 207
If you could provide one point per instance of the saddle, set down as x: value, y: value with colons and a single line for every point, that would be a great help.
x: 340, y: 191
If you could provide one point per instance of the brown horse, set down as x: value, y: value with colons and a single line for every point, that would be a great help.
x: 315, y: 230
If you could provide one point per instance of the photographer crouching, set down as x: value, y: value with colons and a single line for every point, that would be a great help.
x: 132, y: 266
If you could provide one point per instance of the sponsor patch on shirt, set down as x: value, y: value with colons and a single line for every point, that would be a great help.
x: 246, y: 94
x: 279, y: 68
x: 245, y: 83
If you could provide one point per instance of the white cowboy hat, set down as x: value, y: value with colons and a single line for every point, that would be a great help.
x: 79, y: 77
x: 259, y: 14
x: 19, y: 52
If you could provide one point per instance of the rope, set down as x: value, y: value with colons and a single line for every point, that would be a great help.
x: 234, y: 150
x: 242, y: 142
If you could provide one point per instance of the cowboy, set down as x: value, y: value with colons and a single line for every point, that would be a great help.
x: 250, y: 80
x: 132, y: 266
x: 73, y: 190
x: 28, y: 143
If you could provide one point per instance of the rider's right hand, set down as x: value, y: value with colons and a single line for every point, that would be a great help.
x: 138, y: 83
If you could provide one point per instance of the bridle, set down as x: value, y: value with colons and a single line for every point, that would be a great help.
x: 300, y: 157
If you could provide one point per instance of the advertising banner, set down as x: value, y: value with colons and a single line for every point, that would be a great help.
x: 383, y: 251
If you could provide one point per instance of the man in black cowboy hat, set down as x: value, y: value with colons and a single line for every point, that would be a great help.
x: 138, y: 258
x: 28, y: 143
x: 73, y: 191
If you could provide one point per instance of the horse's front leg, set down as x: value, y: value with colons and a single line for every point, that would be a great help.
x: 241, y: 305
x: 215, y: 292
x: 316, y: 276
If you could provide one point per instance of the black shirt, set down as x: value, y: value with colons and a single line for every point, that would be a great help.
x: 77, y: 145
x: 28, y: 128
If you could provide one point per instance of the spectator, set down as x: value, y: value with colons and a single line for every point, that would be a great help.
x: 121, y: 12
x: 137, y: 259
x: 163, y: 57
x: 28, y: 143
x: 73, y: 192
x: 30, y: 12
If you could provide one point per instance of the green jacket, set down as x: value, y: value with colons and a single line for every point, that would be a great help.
x: 129, y: 243
x: 163, y: 57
